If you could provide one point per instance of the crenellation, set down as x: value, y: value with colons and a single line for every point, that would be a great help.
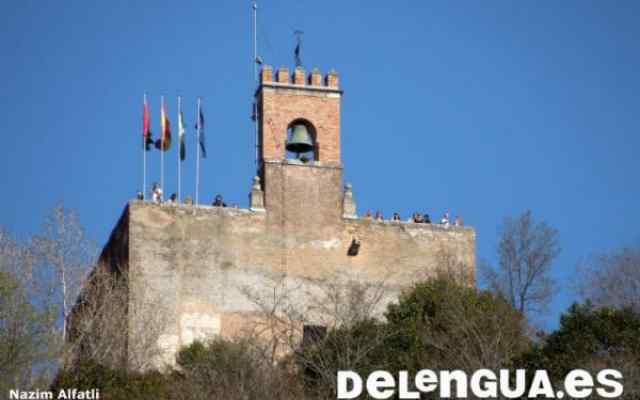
x: 283, y: 75
x: 331, y: 79
x: 315, y: 77
x: 266, y: 74
x: 298, y: 76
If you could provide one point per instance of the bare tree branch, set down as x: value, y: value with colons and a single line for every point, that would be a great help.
x: 100, y: 328
x: 611, y: 279
x: 526, y: 253
x: 64, y: 250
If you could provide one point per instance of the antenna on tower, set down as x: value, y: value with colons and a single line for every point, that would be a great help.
x: 298, y: 59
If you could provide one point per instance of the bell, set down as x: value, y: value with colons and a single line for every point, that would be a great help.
x: 300, y: 141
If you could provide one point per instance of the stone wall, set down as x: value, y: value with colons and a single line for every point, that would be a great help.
x: 199, y: 262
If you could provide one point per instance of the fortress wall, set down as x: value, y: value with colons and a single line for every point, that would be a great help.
x: 115, y: 254
x: 197, y: 263
x: 403, y: 252
x: 190, y: 263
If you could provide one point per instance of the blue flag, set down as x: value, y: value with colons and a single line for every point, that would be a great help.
x: 200, y: 130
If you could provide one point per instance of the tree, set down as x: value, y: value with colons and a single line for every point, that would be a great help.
x: 231, y: 369
x: 438, y: 324
x: 292, y: 319
x: 115, y: 383
x: 100, y: 328
x: 285, y: 306
x: 526, y: 252
x: 612, y: 279
x: 359, y: 346
x: 441, y: 324
x: 26, y: 327
x: 592, y: 339
x: 64, y: 252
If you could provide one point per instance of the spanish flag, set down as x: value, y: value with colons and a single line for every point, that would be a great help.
x: 147, y: 139
x: 164, y: 142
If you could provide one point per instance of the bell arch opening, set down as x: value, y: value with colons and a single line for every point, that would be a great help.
x: 301, y: 142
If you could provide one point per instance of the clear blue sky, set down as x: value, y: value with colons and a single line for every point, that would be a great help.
x: 485, y: 108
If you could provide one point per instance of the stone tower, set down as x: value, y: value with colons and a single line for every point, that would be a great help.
x: 196, y: 263
x: 303, y: 199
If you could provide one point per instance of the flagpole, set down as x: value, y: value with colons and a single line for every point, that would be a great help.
x: 255, y: 40
x: 179, y: 149
x: 198, y: 152
x: 255, y: 77
x: 162, y: 133
x: 144, y: 151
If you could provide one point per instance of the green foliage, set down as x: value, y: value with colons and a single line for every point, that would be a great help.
x: 442, y: 324
x: 588, y: 336
x: 223, y: 368
x: 219, y: 361
x: 218, y: 353
x: 90, y: 375
x: 438, y: 324
x: 114, y: 384
x: 191, y: 356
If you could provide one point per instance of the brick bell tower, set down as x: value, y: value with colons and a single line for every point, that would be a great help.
x: 302, y: 192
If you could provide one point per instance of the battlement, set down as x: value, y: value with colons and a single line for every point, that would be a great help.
x: 178, y: 210
x: 201, y: 210
x: 299, y: 78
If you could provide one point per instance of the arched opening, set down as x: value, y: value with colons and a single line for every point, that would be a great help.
x: 301, y: 141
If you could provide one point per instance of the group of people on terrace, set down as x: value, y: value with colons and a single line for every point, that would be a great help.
x: 157, y: 197
x: 218, y: 201
x: 417, y: 218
